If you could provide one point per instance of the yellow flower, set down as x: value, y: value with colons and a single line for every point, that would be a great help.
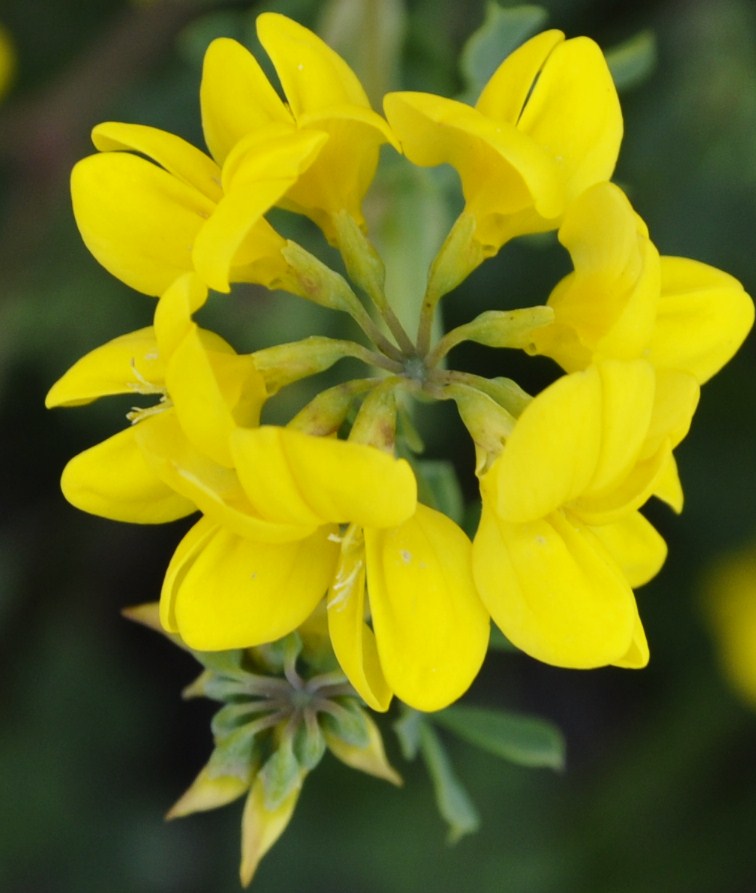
x: 560, y: 541
x: 546, y: 126
x: 625, y: 301
x: 730, y: 603
x: 205, y: 389
x: 150, y: 220
x: 322, y: 95
x: 7, y: 60
x: 400, y: 565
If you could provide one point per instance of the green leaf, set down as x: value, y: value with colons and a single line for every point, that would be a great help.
x: 525, y: 740
x: 503, y: 30
x: 453, y: 801
x: 632, y: 61
x: 438, y: 487
x: 407, y: 729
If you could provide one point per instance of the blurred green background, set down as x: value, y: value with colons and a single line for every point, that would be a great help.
x: 95, y: 744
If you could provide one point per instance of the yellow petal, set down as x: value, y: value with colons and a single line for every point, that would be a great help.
x: 294, y: 477
x: 173, y: 314
x: 176, y: 155
x: 345, y: 167
x: 574, y: 113
x: 213, y: 488
x: 704, y: 316
x: 113, y: 480
x: 608, y: 306
x: 187, y: 550
x: 637, y: 654
x: 430, y: 625
x: 352, y: 639
x: 205, y: 388
x: 554, y: 591
x: 236, y: 97
x: 628, y: 390
x: 126, y: 365
x: 260, y: 174
x: 138, y: 220
x: 635, y: 545
x: 261, y: 827
x: 313, y: 76
x: 503, y: 171
x: 232, y: 592
x: 553, y: 451
x: 668, y: 487
x: 675, y: 401
x: 506, y: 92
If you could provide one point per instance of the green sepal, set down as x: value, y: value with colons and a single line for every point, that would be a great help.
x: 408, y: 438
x: 319, y: 283
x: 438, y: 487
x: 453, y: 801
x: 272, y: 656
x: 506, y: 392
x: 309, y: 744
x: 633, y: 61
x: 284, y: 364
x: 235, y: 716
x: 328, y: 411
x: 281, y: 774
x: 236, y: 755
x: 501, y: 328
x: 503, y: 30
x: 348, y: 722
x: 223, y: 662
x: 525, y: 740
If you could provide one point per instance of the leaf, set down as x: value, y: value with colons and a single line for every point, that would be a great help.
x: 452, y: 799
x: 525, y: 740
x: 503, y: 30
x: 407, y: 730
x: 632, y: 61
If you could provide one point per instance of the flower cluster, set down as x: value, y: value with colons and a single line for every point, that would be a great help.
x: 323, y: 513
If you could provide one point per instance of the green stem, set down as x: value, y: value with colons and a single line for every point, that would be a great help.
x: 365, y: 267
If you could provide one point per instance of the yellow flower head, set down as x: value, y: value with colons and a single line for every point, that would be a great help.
x: 625, y: 301
x: 546, y: 126
x: 560, y: 542
x: 204, y: 390
x: 7, y: 60
x: 399, y: 563
x: 323, y: 95
x: 150, y: 221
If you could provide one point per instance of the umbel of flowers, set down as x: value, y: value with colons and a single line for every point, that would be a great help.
x: 321, y: 516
